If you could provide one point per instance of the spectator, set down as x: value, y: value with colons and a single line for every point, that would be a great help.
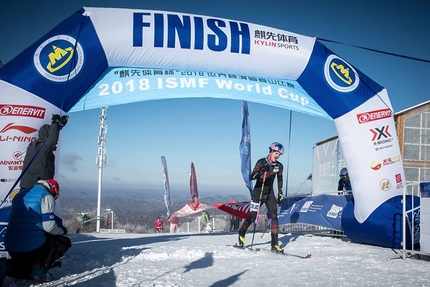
x: 344, y: 184
x: 33, y: 238
x: 39, y: 160
x: 207, y: 221
x: 158, y: 225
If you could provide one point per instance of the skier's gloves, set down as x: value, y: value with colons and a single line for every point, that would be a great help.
x: 56, y: 119
x: 63, y: 120
x: 280, y: 197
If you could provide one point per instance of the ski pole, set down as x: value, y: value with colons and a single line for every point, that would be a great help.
x: 269, y: 223
x: 267, y: 227
x: 258, y: 210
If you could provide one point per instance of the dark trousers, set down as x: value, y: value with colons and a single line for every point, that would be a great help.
x: 270, y: 201
x: 21, y: 263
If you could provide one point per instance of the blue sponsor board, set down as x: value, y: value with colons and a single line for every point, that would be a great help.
x: 320, y: 210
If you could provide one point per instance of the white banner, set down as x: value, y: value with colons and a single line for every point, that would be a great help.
x: 372, y: 154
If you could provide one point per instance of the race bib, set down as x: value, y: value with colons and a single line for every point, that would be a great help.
x: 254, y: 206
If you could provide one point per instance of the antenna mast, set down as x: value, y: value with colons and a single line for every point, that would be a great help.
x: 101, y: 159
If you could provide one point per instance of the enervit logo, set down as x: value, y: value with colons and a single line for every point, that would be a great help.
x: 385, y: 185
x: 374, y: 116
x: 58, y: 59
x: 340, y: 75
x: 22, y: 111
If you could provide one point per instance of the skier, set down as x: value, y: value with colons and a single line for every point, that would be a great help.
x: 265, y: 171
x: 158, y: 225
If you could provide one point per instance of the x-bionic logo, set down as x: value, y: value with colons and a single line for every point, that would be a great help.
x: 381, y: 136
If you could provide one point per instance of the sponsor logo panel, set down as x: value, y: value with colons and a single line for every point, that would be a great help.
x: 334, y: 211
x: 377, y: 165
x: 376, y: 115
x: 12, y: 132
x: 399, y: 181
x: 13, y: 164
x: 22, y: 111
x: 381, y: 137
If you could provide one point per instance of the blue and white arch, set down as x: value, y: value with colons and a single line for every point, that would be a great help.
x: 104, y: 56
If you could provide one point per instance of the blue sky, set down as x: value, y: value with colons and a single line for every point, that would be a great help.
x: 208, y: 131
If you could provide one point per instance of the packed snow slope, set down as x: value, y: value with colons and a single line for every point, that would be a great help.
x: 205, y: 260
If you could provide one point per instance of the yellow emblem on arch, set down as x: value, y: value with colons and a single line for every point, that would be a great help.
x: 59, y: 58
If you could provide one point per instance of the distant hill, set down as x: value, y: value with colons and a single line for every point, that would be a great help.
x: 130, y: 206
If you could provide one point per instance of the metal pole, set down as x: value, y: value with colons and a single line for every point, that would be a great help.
x: 112, y: 219
x: 101, y: 159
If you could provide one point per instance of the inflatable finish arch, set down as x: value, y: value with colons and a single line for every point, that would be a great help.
x: 104, y: 56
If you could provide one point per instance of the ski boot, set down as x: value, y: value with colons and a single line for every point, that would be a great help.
x: 42, y: 274
x: 241, y: 237
x: 277, y: 249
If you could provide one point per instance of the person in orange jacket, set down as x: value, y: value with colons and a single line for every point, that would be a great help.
x: 158, y: 225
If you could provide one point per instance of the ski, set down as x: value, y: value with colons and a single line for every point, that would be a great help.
x: 290, y: 254
x: 243, y: 247
x: 307, y: 256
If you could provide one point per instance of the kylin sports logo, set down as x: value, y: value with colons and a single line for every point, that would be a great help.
x: 60, y: 58
x: 340, y: 75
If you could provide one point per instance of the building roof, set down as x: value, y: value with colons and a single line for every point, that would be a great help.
x: 411, y: 108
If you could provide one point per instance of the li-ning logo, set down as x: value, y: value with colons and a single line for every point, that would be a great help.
x: 58, y: 59
x: 15, y: 138
x: 12, y: 126
x: 340, y: 75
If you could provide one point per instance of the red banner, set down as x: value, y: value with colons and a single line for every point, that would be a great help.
x: 240, y: 209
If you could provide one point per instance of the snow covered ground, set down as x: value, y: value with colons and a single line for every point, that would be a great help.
x: 206, y: 260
